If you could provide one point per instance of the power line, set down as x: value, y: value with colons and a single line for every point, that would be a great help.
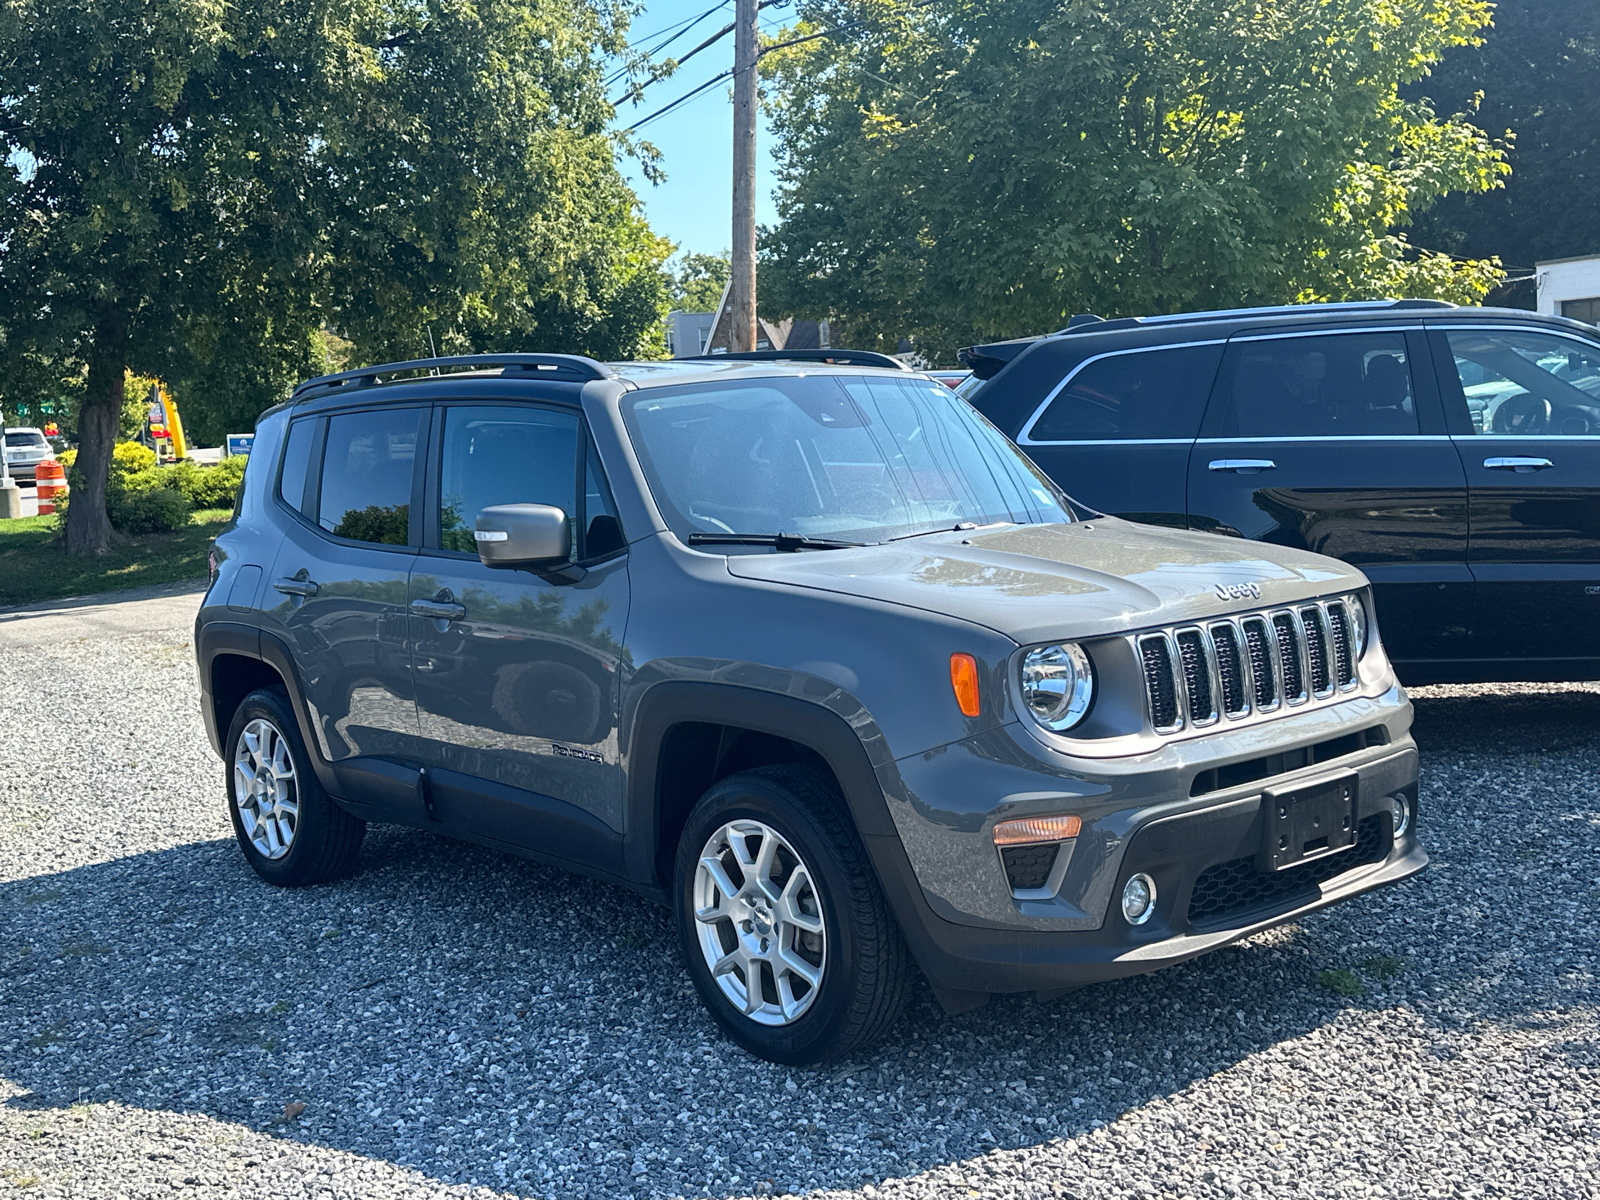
x: 684, y: 99
x: 673, y: 32
x: 710, y: 41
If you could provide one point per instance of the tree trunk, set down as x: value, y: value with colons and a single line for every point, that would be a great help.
x: 88, y: 527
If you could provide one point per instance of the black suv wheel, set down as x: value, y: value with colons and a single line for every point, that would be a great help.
x: 291, y: 832
x: 783, y: 926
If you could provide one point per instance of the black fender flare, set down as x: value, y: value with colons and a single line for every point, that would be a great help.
x: 829, y: 734
x: 249, y: 641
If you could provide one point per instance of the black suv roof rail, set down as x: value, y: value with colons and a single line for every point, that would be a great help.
x: 840, y: 358
x: 565, y: 367
x: 1088, y: 321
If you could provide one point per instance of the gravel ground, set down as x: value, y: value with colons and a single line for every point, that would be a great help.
x: 458, y: 1022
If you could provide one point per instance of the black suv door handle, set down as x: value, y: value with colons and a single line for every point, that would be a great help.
x: 1521, y: 466
x: 297, y: 586
x: 1243, y: 466
x: 439, y: 610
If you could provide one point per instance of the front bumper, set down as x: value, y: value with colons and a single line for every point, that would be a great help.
x: 972, y: 933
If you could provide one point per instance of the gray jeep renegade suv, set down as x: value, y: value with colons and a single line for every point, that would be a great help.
x: 811, y: 654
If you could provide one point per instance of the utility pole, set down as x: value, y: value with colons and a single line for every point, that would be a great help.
x: 742, y: 285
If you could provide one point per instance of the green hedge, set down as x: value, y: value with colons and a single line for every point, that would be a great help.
x: 144, y: 498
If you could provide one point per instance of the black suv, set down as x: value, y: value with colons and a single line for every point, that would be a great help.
x: 1453, y: 454
x: 809, y: 652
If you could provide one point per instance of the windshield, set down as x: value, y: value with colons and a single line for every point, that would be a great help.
x: 25, y: 438
x: 857, y: 458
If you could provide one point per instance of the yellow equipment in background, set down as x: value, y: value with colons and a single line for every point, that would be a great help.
x: 166, y: 426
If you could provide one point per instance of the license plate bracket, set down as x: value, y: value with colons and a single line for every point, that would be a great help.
x: 1307, y: 823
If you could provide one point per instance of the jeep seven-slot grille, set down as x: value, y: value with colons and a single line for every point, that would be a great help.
x: 1258, y: 642
x: 1196, y: 676
x: 1294, y: 684
x: 1159, y: 686
x: 1230, y: 670
x: 1193, y: 675
x: 1339, y: 632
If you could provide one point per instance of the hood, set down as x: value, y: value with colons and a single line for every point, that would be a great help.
x: 1036, y: 583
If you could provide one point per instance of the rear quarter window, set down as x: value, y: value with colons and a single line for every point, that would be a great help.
x: 1130, y: 395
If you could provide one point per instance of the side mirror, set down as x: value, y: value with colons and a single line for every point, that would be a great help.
x: 523, y: 535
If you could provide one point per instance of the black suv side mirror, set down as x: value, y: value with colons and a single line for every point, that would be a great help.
x: 523, y: 535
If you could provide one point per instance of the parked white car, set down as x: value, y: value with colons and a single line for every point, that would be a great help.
x: 25, y: 449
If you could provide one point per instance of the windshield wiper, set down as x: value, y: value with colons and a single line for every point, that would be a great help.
x: 958, y: 527
x: 780, y: 541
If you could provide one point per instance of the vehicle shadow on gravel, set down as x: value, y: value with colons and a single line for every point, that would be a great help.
x: 485, y: 1020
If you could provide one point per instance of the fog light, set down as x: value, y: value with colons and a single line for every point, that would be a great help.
x: 1138, y: 899
x: 1399, y: 814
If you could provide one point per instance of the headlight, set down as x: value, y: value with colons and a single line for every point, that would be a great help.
x: 1358, y: 623
x: 1057, y: 685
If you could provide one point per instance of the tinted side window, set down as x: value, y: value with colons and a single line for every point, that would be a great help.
x: 366, y: 475
x: 1137, y: 395
x: 504, y: 455
x: 603, y: 532
x: 1533, y: 384
x: 296, y: 463
x: 1338, y: 385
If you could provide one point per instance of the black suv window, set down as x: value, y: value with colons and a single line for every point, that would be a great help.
x: 1530, y: 382
x: 366, y: 475
x: 1329, y: 385
x: 1140, y: 395
x: 504, y: 455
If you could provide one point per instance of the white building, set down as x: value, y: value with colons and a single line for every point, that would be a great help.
x: 1570, y: 287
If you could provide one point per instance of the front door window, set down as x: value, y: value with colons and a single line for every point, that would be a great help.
x: 1527, y: 384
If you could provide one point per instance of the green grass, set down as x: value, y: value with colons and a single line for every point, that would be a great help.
x: 34, y: 567
x: 1344, y: 982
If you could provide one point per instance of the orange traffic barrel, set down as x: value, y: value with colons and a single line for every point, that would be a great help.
x: 51, y: 483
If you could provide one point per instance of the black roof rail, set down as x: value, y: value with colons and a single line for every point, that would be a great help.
x: 839, y: 358
x: 564, y: 367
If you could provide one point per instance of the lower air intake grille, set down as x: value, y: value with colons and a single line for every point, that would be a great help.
x: 1229, y: 892
x: 1160, y: 687
x: 1196, y: 676
x: 1028, y: 867
x: 1294, y: 684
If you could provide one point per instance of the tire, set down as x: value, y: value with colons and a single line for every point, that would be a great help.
x: 820, y: 875
x: 320, y: 841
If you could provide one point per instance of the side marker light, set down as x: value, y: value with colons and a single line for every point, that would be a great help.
x: 964, y: 682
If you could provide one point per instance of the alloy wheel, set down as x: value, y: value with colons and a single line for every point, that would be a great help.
x: 760, y: 922
x: 265, y: 789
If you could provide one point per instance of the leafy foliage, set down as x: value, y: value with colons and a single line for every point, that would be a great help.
x: 199, y: 191
x: 1538, y: 70
x: 699, y: 281
x: 958, y: 170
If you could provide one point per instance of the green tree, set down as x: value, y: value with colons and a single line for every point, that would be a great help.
x: 961, y: 170
x: 1538, y: 70
x: 699, y: 281
x: 198, y: 191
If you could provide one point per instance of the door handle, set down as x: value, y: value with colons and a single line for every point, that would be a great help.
x: 1243, y: 466
x: 1522, y: 466
x: 439, y: 610
x: 297, y: 586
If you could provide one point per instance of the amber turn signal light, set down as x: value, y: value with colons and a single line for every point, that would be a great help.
x: 964, y: 682
x: 1027, y: 830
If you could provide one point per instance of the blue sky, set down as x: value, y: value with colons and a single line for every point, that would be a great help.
x: 694, y: 207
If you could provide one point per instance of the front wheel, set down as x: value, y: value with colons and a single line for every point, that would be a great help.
x: 291, y: 831
x: 781, y: 921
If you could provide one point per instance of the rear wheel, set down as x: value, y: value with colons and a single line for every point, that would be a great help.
x: 782, y: 923
x: 291, y: 831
